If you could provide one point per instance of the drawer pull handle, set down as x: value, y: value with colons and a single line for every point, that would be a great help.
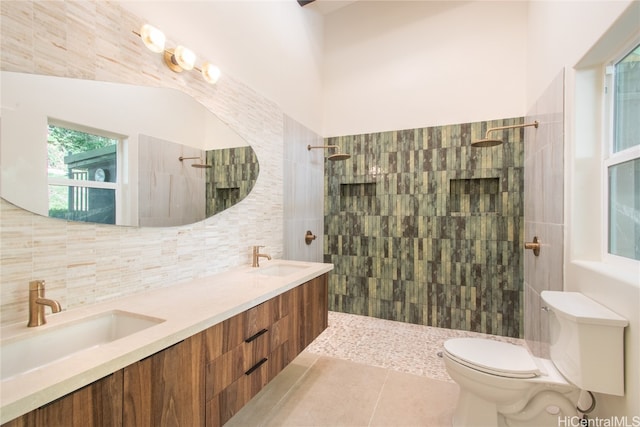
x: 253, y: 337
x: 256, y: 366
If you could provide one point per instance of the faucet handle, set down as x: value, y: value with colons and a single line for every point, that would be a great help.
x: 36, y: 285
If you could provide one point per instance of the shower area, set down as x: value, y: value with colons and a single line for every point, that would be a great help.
x: 424, y: 228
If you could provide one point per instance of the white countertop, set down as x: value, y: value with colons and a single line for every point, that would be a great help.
x: 187, y: 309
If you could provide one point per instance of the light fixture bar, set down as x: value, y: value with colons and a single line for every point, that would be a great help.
x: 178, y: 59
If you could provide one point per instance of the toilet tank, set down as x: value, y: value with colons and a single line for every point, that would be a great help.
x: 586, y: 341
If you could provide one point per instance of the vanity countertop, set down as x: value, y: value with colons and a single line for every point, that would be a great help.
x: 187, y: 309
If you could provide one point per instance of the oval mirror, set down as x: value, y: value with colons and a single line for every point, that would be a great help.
x: 114, y: 153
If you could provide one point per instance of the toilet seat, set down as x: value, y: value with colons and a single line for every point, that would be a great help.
x: 492, y: 357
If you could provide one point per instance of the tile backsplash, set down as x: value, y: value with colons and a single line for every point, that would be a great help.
x: 425, y: 229
x: 87, y: 263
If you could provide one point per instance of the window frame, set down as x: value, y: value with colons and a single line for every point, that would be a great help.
x: 610, y: 157
x: 120, y: 156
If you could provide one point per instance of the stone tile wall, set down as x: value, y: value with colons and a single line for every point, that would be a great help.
x: 425, y: 229
x: 544, y: 210
x: 303, y: 192
x: 231, y: 177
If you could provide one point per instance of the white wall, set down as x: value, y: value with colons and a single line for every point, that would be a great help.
x: 273, y: 46
x: 371, y: 66
x: 560, y: 35
x: 399, y: 65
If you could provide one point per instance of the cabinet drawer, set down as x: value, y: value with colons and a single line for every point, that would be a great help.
x: 280, y: 332
x: 235, y: 331
x: 258, y: 318
x: 222, y: 406
x: 236, y: 363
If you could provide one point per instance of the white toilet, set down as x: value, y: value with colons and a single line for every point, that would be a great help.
x: 502, y: 384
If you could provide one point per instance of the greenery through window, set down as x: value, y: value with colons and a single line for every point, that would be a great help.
x: 82, y: 170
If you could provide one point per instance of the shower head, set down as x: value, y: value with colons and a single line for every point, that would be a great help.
x: 491, y: 142
x: 195, y: 165
x: 481, y: 143
x: 339, y: 156
x: 334, y: 157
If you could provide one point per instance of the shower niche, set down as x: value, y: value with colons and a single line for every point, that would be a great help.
x: 357, y: 197
x: 476, y: 196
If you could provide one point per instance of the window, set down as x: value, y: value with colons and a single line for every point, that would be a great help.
x: 622, y: 163
x: 83, y: 173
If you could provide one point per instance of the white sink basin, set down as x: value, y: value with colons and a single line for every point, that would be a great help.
x: 39, y: 348
x: 280, y: 269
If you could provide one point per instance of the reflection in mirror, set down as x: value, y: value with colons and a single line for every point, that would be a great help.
x: 174, y: 191
x: 139, y: 178
x: 82, y: 170
x: 232, y: 176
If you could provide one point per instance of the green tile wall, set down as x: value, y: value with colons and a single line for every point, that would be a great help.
x: 424, y: 229
x: 233, y: 173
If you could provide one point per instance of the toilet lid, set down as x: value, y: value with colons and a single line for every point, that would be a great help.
x: 493, y: 357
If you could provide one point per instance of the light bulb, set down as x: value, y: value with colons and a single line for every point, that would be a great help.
x: 185, y: 58
x: 210, y: 72
x: 152, y: 38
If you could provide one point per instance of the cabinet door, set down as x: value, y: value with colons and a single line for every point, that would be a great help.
x: 309, y: 313
x: 316, y: 308
x: 97, y: 405
x: 26, y: 420
x: 167, y: 388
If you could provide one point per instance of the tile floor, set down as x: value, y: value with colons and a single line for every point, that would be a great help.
x: 361, y: 371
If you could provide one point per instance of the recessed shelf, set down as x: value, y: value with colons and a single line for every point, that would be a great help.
x: 357, y: 197
x: 477, y: 196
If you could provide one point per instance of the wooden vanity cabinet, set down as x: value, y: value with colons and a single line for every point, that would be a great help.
x: 203, y: 380
x: 239, y: 357
x: 166, y: 388
x: 245, y: 352
x: 95, y: 405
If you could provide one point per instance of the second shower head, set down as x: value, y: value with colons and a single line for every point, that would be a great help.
x: 195, y: 165
x: 491, y: 142
x: 335, y: 156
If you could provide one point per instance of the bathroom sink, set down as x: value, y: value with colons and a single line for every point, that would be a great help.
x: 280, y: 269
x: 41, y: 347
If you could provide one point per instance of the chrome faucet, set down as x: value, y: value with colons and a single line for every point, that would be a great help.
x: 37, y: 301
x: 257, y: 255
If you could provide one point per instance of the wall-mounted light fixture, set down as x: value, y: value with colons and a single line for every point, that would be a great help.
x: 178, y: 59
